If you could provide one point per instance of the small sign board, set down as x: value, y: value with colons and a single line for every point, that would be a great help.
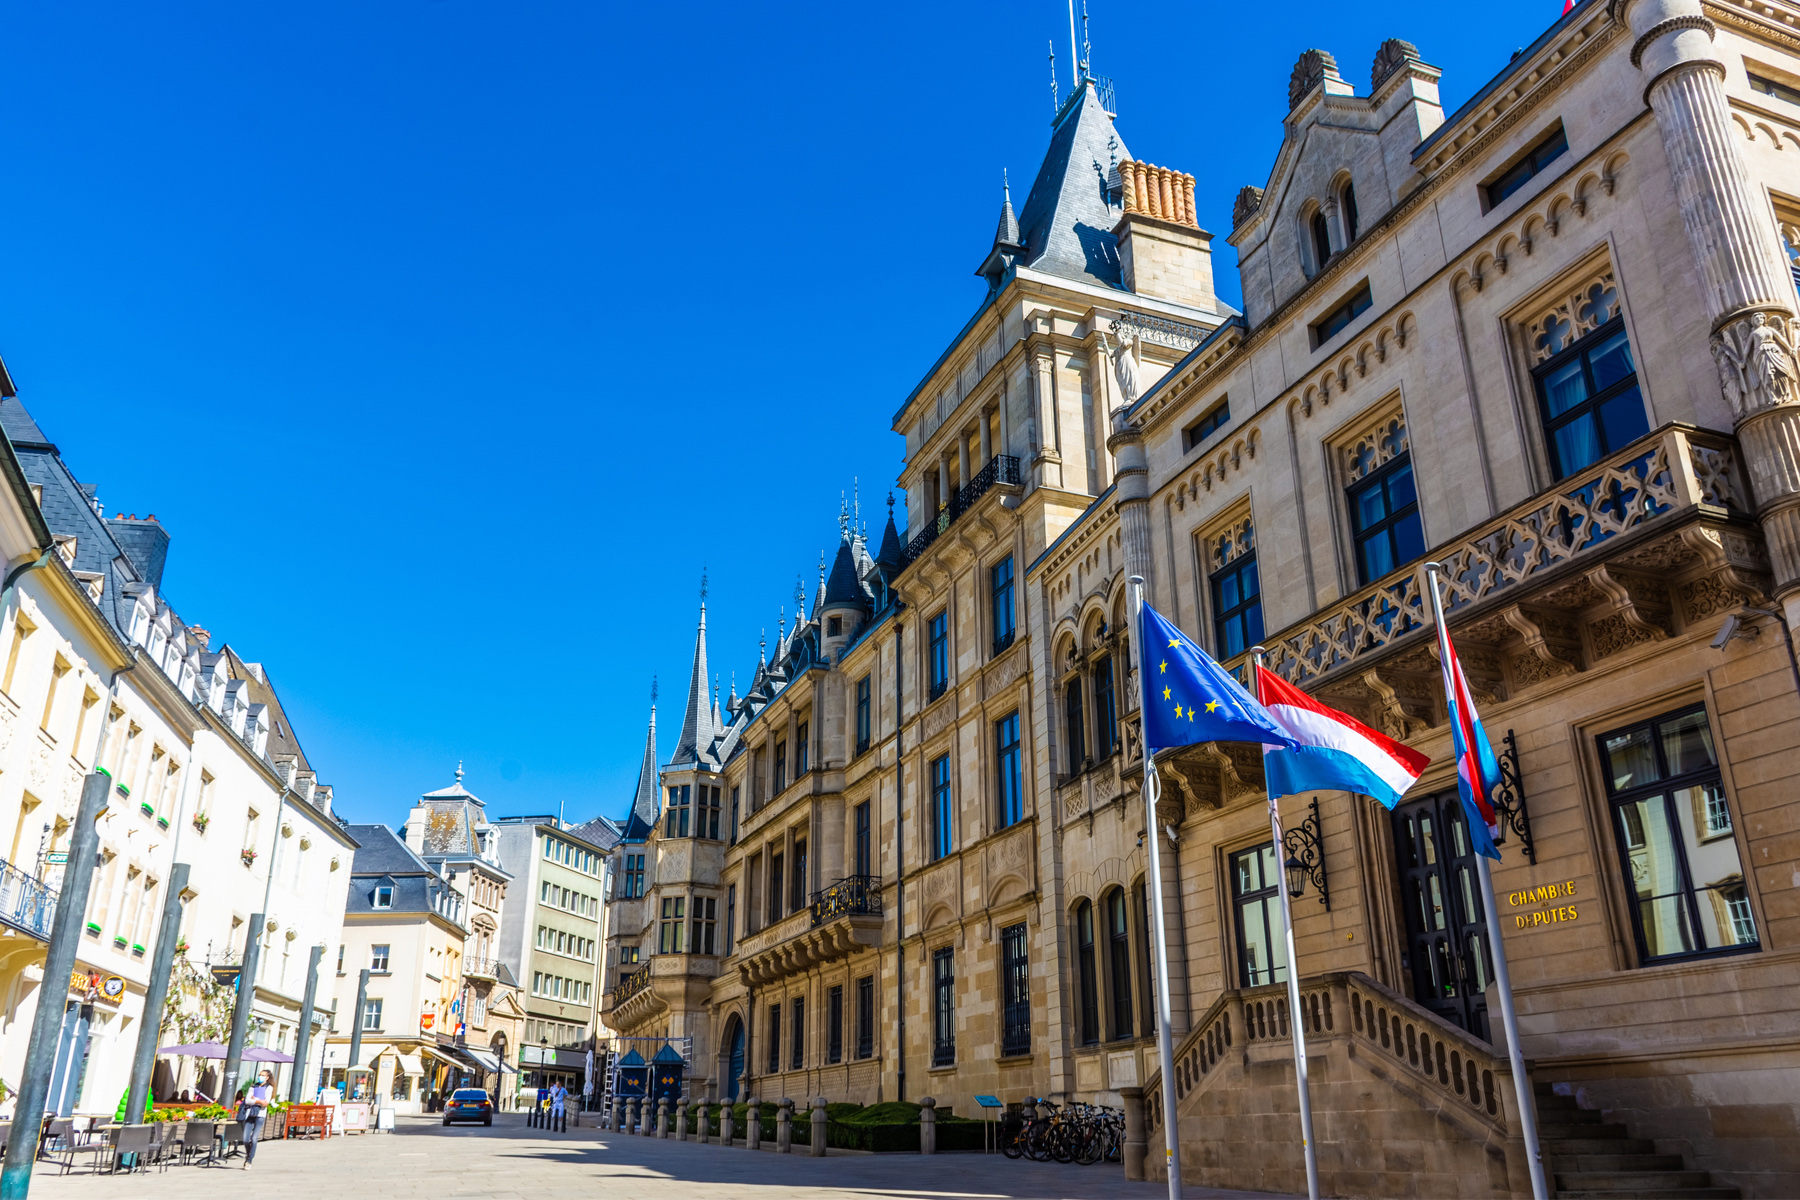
x: 989, y: 1102
x: 57, y: 858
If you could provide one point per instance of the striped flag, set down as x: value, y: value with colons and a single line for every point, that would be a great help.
x: 1332, y: 750
x: 1477, y: 770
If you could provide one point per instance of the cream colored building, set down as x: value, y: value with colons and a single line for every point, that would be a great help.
x: 1549, y: 340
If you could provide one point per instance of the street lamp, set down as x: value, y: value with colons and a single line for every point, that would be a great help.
x: 1296, y: 877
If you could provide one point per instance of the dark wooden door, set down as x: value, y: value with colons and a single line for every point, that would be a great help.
x: 1446, y: 931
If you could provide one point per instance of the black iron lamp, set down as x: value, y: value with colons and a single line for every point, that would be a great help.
x: 1305, y: 846
x: 1296, y: 877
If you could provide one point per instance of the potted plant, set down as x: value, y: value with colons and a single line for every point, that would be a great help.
x: 137, y: 949
x: 200, y: 820
x: 93, y: 927
x: 162, y: 822
x: 123, y: 790
x: 146, y: 809
x: 181, y: 945
x: 119, y: 941
x: 249, y: 857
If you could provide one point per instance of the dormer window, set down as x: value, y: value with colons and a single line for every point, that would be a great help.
x: 384, y: 896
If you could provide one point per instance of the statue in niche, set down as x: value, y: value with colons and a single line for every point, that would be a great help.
x: 1756, y: 361
x: 1127, y: 364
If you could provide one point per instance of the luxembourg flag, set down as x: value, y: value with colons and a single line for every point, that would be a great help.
x: 1477, y: 770
x: 1333, y: 750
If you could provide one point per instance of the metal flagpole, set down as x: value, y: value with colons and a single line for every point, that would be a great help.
x: 1165, y: 1044
x: 1293, y: 981
x: 1509, y: 1021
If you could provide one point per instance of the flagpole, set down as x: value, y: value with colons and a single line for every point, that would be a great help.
x: 1502, y: 977
x: 1165, y: 1044
x: 1293, y: 979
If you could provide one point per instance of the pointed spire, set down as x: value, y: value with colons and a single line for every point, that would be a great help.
x: 643, y: 803
x: 696, y: 723
x: 718, y: 723
x: 731, y: 699
x: 892, y: 555
x: 1055, y: 100
x: 1008, y: 232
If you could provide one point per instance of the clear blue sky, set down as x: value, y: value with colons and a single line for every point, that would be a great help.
x: 449, y: 339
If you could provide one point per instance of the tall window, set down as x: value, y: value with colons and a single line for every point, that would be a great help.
x: 736, y: 796
x: 1236, y: 595
x: 1262, y: 953
x: 938, y: 632
x: 797, y: 895
x: 1589, y: 401
x: 1015, y: 980
x: 1001, y: 589
x: 865, y: 1017
x: 940, y: 807
x: 1106, y: 710
x: 797, y: 1039
x: 1006, y: 759
x: 774, y: 1038
x: 864, y: 850
x: 708, y: 826
x: 775, y: 888
x: 862, y: 714
x: 378, y: 957
x: 802, y: 746
x: 1118, y: 961
x: 674, y: 912
x: 372, y: 1015
x: 675, y: 824
x: 1321, y: 240
x: 780, y: 765
x: 706, y: 919
x: 634, y: 875
x: 1087, y: 983
x: 730, y: 915
x: 834, y: 1024
x: 1145, y: 942
x: 1347, y: 200
x: 1384, y: 519
x: 1072, y: 720
x: 1676, y: 840
x: 943, y: 1009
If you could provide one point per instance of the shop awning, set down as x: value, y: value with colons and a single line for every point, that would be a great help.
x: 484, y: 1057
x: 456, y: 1056
x: 410, y: 1065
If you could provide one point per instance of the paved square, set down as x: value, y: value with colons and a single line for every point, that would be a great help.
x: 423, y: 1159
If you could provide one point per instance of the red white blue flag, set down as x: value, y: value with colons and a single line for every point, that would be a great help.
x: 1477, y: 770
x: 1331, y: 749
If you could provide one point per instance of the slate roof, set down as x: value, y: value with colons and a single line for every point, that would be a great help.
x: 1068, y: 217
x: 844, y: 588
x: 696, y: 722
x: 283, y: 743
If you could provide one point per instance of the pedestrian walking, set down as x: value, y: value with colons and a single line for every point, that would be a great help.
x: 253, y: 1102
x: 559, y: 1098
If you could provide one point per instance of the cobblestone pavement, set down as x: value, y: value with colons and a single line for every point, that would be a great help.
x: 423, y: 1159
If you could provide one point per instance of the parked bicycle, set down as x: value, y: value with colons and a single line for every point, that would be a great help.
x: 1079, y: 1133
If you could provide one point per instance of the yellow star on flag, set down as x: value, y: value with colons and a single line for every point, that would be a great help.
x: 1163, y: 667
x: 1174, y: 641
x: 1165, y: 693
x: 1211, y: 705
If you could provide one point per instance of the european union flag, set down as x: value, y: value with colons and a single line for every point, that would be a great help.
x: 1189, y: 698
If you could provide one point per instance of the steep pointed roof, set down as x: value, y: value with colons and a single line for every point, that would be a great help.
x: 1008, y: 233
x: 844, y: 588
x: 892, y: 555
x: 696, y: 722
x: 1067, y: 220
x: 642, y: 817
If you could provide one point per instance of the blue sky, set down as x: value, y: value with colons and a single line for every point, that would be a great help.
x: 449, y: 340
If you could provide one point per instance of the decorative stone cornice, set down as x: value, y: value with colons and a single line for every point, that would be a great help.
x: 1672, y: 25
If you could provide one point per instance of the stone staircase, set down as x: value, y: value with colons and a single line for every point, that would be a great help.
x: 1592, y: 1157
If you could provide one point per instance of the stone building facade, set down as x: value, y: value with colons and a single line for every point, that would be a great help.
x: 1548, y: 340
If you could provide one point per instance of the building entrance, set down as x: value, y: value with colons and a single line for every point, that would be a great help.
x: 1446, y: 953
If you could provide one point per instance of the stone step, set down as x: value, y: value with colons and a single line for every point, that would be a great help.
x: 1617, y: 1162
x: 1560, y: 1128
x: 1569, y: 1116
x: 1674, y: 1193
x: 1551, y: 1102
x: 1562, y: 1147
x: 1634, y: 1182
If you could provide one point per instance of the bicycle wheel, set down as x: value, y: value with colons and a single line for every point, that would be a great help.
x: 1063, y: 1148
x: 1092, y: 1147
x: 1035, y: 1144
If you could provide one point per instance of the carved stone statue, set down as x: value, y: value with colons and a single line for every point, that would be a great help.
x: 1126, y: 369
x: 1756, y: 361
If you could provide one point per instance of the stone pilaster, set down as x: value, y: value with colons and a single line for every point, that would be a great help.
x: 1742, y: 269
x: 1046, y: 458
x: 1132, y: 499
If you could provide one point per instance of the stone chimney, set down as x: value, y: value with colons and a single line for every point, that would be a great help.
x: 1163, y: 252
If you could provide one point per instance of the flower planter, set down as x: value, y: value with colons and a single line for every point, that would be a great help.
x: 137, y: 949
x: 93, y: 928
x: 146, y: 810
x: 118, y: 943
x: 249, y: 857
x: 181, y: 947
x: 201, y: 820
x: 122, y: 789
x: 162, y: 822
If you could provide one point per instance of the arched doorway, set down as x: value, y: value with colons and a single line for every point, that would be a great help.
x: 734, y: 1058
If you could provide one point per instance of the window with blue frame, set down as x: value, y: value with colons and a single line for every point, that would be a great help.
x: 1001, y: 589
x: 1589, y: 401
x: 1384, y: 519
x: 938, y: 647
x: 1237, y: 606
x: 940, y: 807
x: 1106, y: 710
x: 862, y: 714
x: 1006, y: 754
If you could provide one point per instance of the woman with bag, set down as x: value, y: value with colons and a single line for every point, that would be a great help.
x: 251, y: 1105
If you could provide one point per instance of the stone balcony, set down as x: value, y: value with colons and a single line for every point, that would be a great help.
x: 841, y: 920
x: 665, y: 982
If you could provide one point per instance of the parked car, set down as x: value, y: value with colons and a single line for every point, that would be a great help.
x: 469, y: 1104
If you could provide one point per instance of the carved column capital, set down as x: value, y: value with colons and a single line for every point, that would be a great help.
x: 1757, y: 355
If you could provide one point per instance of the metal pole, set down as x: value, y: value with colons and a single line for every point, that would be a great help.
x: 303, y: 1041
x: 356, y: 1024
x: 156, y: 992
x: 1165, y: 1043
x: 240, y: 1012
x: 1515, y: 1055
x: 1293, y: 981
x: 59, y: 964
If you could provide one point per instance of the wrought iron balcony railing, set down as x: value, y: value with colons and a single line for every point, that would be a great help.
x: 1000, y: 469
x: 25, y: 902
x: 482, y: 968
x: 852, y: 894
x: 630, y: 984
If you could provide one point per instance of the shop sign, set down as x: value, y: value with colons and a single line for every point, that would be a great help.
x: 1543, y: 902
x: 109, y: 988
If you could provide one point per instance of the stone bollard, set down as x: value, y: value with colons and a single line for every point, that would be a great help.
x: 618, y: 1114
x: 637, y: 1116
x: 662, y: 1117
x: 702, y: 1130
x: 1135, y: 1143
x: 927, y: 1125
x: 753, y: 1124
x: 681, y: 1107
x: 727, y: 1124
x: 818, y: 1127
x: 784, y: 1126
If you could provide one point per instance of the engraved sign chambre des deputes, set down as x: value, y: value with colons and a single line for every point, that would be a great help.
x: 1546, y: 896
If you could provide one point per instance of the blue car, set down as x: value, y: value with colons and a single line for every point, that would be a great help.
x: 469, y: 1104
